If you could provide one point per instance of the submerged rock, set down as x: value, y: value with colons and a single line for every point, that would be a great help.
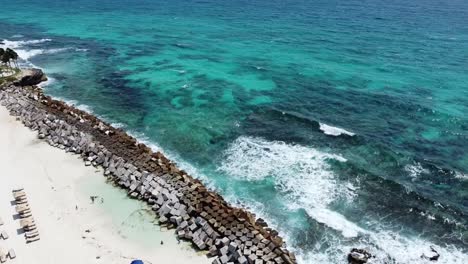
x: 31, y: 77
x: 434, y: 257
x: 358, y: 256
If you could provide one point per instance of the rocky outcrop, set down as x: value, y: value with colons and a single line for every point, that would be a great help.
x: 358, y: 256
x: 31, y: 77
x: 228, y: 234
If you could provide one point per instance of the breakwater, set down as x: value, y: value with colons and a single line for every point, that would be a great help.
x: 199, y: 215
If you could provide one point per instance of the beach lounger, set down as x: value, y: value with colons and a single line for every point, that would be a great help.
x: 27, y: 222
x: 32, y: 227
x: 28, y: 225
x: 30, y: 240
x: 31, y: 234
x: 18, y: 189
x: 3, y: 255
x: 11, y: 253
x: 25, y: 212
x: 22, y: 199
x: 28, y: 210
x: 18, y: 194
x: 4, y: 235
x: 21, y: 208
x: 26, y: 215
x: 20, y: 202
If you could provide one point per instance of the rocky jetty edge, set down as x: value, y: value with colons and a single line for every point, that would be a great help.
x: 225, y: 233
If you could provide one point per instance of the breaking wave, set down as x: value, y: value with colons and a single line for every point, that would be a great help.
x: 301, y: 173
x: 20, y: 43
x: 307, y: 181
x: 415, y: 170
x: 21, y: 47
x: 334, y: 131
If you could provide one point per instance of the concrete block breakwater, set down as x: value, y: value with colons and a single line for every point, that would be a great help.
x: 228, y: 234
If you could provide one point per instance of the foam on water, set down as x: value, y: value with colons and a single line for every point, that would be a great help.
x: 415, y: 170
x: 301, y: 173
x: 334, y: 131
x: 304, y: 176
x: 77, y: 105
x: 386, y: 247
x: 391, y: 245
x: 20, y: 43
x: 461, y: 176
x: 49, y: 81
x: 336, y: 221
x: 25, y: 54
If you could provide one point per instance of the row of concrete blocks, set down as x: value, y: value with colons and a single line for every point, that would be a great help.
x: 164, y: 197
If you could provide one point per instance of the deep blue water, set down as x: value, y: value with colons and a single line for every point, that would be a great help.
x: 343, y: 123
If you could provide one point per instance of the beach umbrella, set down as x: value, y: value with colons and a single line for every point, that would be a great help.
x: 137, y: 262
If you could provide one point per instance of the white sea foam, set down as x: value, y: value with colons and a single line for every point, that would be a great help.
x: 334, y: 131
x: 301, y: 173
x: 387, y: 247
x: 21, y: 43
x: 336, y: 221
x: 415, y: 170
x: 461, y: 176
x: 402, y: 249
x: 82, y: 107
x: 27, y: 54
x: 50, y: 80
x: 308, y: 182
x: 21, y: 47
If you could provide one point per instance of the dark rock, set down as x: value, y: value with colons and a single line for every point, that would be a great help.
x: 31, y: 77
x: 358, y: 256
x: 434, y: 257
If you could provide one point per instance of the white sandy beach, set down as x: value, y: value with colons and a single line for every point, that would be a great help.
x: 58, y: 186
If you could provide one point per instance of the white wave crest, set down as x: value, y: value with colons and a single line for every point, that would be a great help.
x: 50, y: 80
x: 88, y: 109
x: 21, y: 43
x: 302, y: 173
x: 336, y: 221
x: 415, y: 170
x: 25, y: 54
x: 461, y: 176
x: 388, y: 247
x: 412, y: 250
x: 334, y: 131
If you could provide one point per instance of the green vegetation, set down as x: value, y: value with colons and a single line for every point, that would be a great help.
x: 8, y: 55
x: 7, y: 72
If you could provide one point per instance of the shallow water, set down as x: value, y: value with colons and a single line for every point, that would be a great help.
x: 129, y: 218
x: 340, y: 122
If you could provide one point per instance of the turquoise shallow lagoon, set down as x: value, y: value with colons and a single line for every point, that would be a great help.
x: 343, y: 123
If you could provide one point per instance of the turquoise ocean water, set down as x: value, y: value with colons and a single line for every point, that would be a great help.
x: 342, y: 123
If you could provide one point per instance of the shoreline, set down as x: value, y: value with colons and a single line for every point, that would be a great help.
x: 54, y: 198
x: 180, y: 201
